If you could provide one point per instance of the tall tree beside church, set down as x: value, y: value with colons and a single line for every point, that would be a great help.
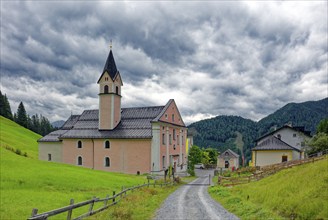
x: 21, y: 115
x: 5, y: 109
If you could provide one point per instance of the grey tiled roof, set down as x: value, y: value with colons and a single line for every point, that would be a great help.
x: 135, y: 123
x: 273, y: 143
x: 70, y: 122
x: 53, y: 136
x: 230, y: 152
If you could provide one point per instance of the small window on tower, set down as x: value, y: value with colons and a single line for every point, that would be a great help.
x: 116, y: 90
x: 107, y: 144
x: 106, y: 89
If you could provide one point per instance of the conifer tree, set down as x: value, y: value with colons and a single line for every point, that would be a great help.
x: 21, y: 115
x: 5, y: 109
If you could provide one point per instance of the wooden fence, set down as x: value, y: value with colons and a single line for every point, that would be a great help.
x: 268, y: 170
x: 107, y: 202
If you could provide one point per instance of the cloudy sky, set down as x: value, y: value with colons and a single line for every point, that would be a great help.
x: 214, y: 58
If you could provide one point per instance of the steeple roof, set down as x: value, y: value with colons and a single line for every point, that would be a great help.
x: 110, y: 66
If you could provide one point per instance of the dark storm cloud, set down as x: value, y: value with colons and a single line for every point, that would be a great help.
x: 240, y: 58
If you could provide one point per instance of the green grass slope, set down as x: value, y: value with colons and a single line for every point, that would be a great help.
x: 17, y: 137
x: 297, y: 193
x: 26, y: 182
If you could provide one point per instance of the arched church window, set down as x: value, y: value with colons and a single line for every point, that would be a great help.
x: 107, y: 162
x: 79, y: 144
x: 106, y: 89
x: 79, y: 161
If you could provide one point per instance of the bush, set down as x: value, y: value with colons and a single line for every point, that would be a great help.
x: 18, y: 151
x: 191, y: 172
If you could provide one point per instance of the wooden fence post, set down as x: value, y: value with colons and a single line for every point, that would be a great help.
x: 69, y: 212
x: 91, y: 205
x: 34, y: 212
x: 106, y: 200
x: 113, y: 196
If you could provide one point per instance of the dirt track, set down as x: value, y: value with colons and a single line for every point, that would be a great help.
x: 192, y: 201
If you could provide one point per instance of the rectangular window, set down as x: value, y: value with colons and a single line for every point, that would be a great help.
x: 172, y: 117
x: 182, y: 140
x: 163, y: 138
x: 163, y: 162
x: 284, y: 158
x: 294, y: 135
x: 173, y: 134
x: 49, y: 157
x: 178, y: 139
x: 170, y: 138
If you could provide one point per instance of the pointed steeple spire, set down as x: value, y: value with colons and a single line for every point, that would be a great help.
x: 110, y: 65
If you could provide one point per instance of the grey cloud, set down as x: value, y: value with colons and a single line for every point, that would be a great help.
x: 213, y: 57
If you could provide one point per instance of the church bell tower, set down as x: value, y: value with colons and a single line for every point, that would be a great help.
x: 110, y: 84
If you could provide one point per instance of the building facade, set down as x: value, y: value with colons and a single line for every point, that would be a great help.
x: 284, y: 144
x: 228, y: 160
x: 111, y: 138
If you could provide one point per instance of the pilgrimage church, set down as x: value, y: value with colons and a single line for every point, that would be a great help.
x: 129, y: 140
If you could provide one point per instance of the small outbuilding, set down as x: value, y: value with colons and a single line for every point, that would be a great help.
x: 228, y: 160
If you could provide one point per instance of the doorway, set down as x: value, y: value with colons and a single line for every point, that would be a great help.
x: 284, y: 159
x: 226, y: 164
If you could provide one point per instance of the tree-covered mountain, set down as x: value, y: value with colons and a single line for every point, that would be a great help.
x: 240, y: 134
x: 307, y: 114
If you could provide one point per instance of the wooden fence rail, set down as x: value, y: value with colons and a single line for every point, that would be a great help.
x: 268, y: 170
x: 114, y: 199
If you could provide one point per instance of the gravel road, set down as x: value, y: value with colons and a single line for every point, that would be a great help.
x: 192, y: 201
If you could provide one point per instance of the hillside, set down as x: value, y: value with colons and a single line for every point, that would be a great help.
x: 307, y: 114
x: 221, y: 132
x: 19, y: 138
x: 28, y: 183
x: 296, y: 193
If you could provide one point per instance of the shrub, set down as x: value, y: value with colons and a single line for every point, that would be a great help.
x: 18, y: 151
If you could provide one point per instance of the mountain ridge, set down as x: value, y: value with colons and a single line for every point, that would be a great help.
x: 220, y: 132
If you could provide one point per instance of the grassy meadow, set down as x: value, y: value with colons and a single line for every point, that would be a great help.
x: 27, y: 183
x: 300, y: 192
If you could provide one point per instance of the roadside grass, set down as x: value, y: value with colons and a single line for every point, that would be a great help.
x: 300, y: 192
x: 141, y: 204
x: 27, y: 183
x: 19, y: 138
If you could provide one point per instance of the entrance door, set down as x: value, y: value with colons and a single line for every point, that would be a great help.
x: 226, y: 164
x: 284, y: 158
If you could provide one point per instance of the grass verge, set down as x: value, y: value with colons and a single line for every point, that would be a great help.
x: 141, y: 204
x: 300, y: 192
